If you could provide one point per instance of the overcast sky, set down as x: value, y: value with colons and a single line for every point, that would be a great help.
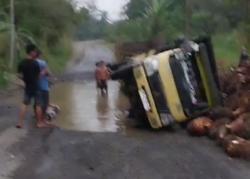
x: 113, y: 7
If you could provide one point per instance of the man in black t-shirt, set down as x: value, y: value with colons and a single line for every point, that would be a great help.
x: 29, y: 72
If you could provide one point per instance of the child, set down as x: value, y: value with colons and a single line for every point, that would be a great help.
x: 102, y: 75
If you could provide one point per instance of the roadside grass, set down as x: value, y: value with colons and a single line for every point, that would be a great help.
x: 3, y: 81
x: 58, y: 56
x: 227, y: 48
x: 58, y: 59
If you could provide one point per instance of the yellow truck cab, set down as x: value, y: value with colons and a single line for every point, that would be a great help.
x: 176, y: 86
x: 151, y: 102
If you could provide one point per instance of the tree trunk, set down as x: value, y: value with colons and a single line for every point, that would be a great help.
x: 12, y: 34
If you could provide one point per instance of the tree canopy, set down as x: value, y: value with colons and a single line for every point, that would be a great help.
x: 50, y: 24
x: 170, y: 18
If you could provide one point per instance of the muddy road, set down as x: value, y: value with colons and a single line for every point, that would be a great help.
x: 95, y: 140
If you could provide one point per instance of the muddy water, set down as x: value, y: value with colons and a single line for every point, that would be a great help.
x: 83, y: 109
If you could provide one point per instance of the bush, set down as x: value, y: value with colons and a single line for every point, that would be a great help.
x: 244, y: 34
x: 3, y: 81
x: 227, y: 48
x: 58, y: 56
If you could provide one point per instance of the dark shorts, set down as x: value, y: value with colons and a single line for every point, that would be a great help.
x: 42, y: 100
x: 30, y: 95
x: 102, y: 84
x: 44, y: 95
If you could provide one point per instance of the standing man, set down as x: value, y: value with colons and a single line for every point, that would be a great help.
x: 29, y: 72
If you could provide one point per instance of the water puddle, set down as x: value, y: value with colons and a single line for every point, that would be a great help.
x: 83, y: 109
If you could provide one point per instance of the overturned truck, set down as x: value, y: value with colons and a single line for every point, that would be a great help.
x: 171, y: 84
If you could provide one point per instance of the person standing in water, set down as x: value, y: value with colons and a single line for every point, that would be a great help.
x: 102, y: 75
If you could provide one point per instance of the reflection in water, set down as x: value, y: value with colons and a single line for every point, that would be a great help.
x: 102, y: 106
x: 83, y: 109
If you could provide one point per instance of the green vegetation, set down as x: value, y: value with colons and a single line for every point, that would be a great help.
x: 47, y: 23
x: 227, y: 21
x: 51, y: 25
x: 227, y: 48
x: 93, y: 23
x: 3, y: 81
x: 58, y: 56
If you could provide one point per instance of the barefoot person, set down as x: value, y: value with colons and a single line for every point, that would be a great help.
x: 102, y: 75
x: 43, y: 82
x: 97, y: 65
x: 29, y: 72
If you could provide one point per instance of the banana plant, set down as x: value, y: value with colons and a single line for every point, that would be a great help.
x: 157, y: 15
x: 22, y: 36
x: 4, y: 23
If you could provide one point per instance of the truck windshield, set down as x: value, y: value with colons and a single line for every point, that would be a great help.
x: 188, y: 85
x: 157, y: 92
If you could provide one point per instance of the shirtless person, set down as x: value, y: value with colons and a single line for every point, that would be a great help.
x: 102, y: 75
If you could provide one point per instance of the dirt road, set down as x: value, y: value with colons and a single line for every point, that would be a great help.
x: 96, y: 141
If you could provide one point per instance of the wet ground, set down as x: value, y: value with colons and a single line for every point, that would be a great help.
x: 83, y: 109
x: 95, y: 140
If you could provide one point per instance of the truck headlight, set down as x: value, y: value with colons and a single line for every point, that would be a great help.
x: 151, y: 65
